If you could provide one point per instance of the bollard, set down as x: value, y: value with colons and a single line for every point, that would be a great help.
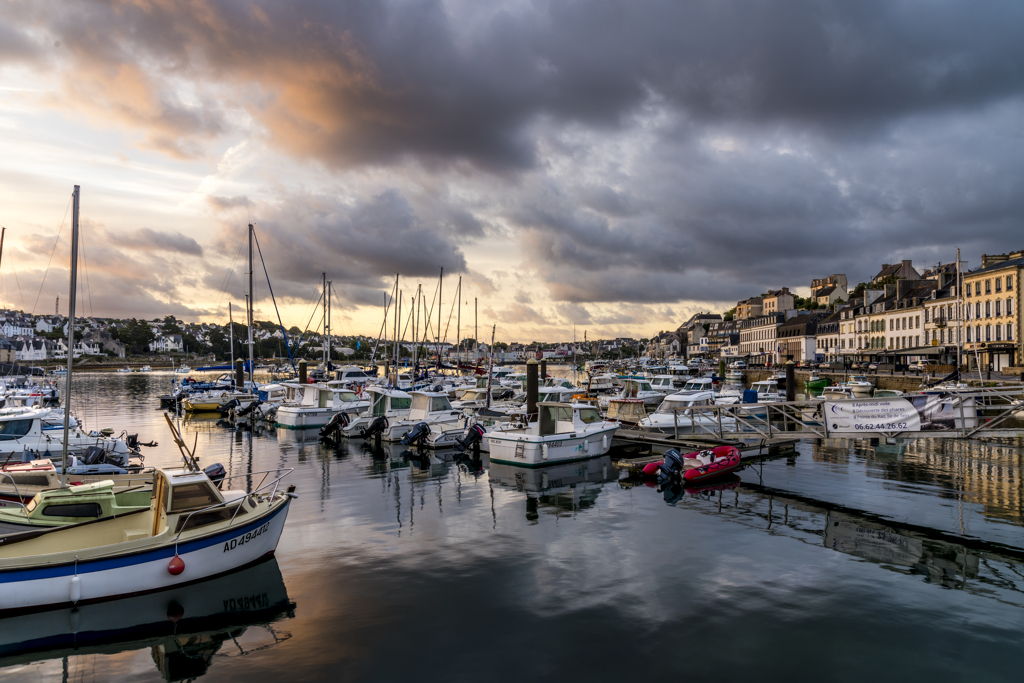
x: 790, y: 381
x: 302, y: 372
x: 531, y: 388
x: 239, y: 375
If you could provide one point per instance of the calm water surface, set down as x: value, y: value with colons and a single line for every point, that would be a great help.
x: 845, y: 561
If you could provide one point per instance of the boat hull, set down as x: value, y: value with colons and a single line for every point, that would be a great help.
x: 505, y: 447
x: 46, y: 586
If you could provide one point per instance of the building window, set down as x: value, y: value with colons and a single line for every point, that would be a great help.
x: 942, y: 336
x: 977, y: 333
x: 999, y: 306
x: 977, y: 310
x: 1009, y: 331
x: 917, y: 342
x: 999, y: 284
x: 917, y: 326
x: 977, y: 287
x: 1009, y: 307
x: 967, y: 289
x: 988, y: 309
x: 1009, y: 285
x: 999, y: 331
x: 988, y: 333
x: 988, y: 286
x: 926, y: 316
x: 892, y: 324
x: 968, y: 339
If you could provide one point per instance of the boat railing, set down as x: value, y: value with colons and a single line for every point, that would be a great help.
x: 6, y: 475
x: 263, y: 485
x: 985, y: 414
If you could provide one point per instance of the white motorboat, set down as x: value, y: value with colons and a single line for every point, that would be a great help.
x: 602, y: 382
x: 36, y: 433
x: 145, y: 368
x: 562, y: 432
x: 860, y: 385
x: 431, y: 407
x: 448, y: 436
x: 665, y: 384
x: 767, y: 391
x: 675, y: 415
x: 636, y: 388
x: 697, y: 384
x: 316, y: 404
x: 392, y: 404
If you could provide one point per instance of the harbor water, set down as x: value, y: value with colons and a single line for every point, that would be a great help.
x: 845, y: 560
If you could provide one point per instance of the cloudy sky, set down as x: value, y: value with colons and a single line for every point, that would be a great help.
x: 617, y: 165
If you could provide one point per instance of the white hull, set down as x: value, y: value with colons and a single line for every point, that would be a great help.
x: 291, y: 417
x: 532, y: 451
x: 397, y: 429
x: 100, y: 579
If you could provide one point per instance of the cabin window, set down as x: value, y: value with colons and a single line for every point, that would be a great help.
x: 439, y: 403
x: 400, y: 403
x: 210, y: 517
x: 189, y: 496
x: 91, y: 510
x: 346, y: 396
x: 28, y: 479
x: 13, y: 429
x: 380, y: 404
x: 589, y: 415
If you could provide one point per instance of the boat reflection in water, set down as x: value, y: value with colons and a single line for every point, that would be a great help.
x: 560, y: 489
x: 184, y: 627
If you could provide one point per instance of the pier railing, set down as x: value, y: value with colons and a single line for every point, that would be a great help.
x: 989, y: 412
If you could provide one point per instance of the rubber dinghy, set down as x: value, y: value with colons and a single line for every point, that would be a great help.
x: 695, y: 467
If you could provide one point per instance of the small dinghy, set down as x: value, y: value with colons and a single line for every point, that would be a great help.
x: 695, y: 467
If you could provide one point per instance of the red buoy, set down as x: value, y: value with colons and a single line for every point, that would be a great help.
x: 176, y: 566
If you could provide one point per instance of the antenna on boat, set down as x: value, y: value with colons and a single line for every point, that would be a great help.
x: 71, y: 338
x: 189, y: 456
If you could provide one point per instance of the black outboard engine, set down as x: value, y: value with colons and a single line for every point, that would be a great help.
x: 672, y: 467
x: 419, y: 431
x: 378, y: 426
x: 336, y: 424
x: 249, y: 408
x: 216, y: 473
x: 473, y: 435
x: 225, y: 408
x: 93, y: 455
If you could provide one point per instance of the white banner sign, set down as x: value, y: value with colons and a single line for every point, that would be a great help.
x: 919, y: 413
x: 890, y: 415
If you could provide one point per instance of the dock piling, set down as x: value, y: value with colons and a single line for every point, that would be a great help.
x: 302, y: 372
x: 531, y: 388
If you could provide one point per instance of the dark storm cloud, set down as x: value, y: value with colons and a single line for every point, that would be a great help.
x: 360, y: 245
x: 647, y: 151
x: 146, y: 239
x: 371, y: 82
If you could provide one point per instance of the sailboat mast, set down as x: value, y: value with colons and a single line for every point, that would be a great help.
x: 231, y: 340
x: 458, y: 319
x: 71, y: 338
x: 329, y: 343
x: 959, y: 308
x: 323, y: 326
x: 440, y: 281
x: 476, y: 333
x: 398, y: 316
x: 415, y: 333
x: 252, y: 366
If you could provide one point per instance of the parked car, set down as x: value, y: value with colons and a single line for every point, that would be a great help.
x: 855, y: 366
x: 873, y: 366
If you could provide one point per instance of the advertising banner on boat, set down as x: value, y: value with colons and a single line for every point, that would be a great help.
x: 924, y: 413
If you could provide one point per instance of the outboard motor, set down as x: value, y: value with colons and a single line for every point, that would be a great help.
x: 93, y: 455
x: 249, y: 408
x: 473, y: 435
x: 419, y: 431
x: 336, y: 424
x: 216, y: 473
x: 225, y: 408
x: 378, y: 426
x: 672, y: 467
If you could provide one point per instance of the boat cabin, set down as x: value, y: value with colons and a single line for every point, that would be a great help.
x: 73, y: 504
x: 564, y: 418
x: 426, y: 404
x: 388, y: 402
x: 351, y: 373
x: 663, y: 383
x: 677, y: 401
x: 698, y: 384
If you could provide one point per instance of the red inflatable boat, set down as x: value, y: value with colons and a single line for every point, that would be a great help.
x: 700, y: 466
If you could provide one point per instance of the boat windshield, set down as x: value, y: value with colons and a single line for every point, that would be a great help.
x: 401, y: 402
x: 645, y: 386
x: 439, y: 403
x: 589, y: 415
x: 765, y: 389
x: 694, y: 386
x: 13, y: 429
x: 346, y: 396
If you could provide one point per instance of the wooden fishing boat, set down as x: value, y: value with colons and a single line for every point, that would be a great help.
x: 190, y: 531
x: 74, y: 504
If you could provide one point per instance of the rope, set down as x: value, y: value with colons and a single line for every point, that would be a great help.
x: 55, y: 243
